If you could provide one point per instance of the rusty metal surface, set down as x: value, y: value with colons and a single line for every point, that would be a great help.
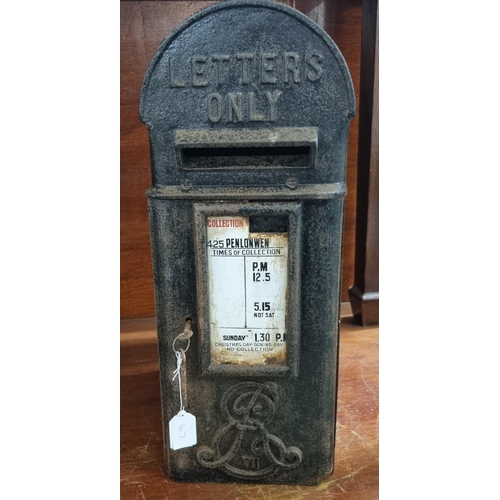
x: 216, y: 41
x: 287, y: 192
x: 228, y: 69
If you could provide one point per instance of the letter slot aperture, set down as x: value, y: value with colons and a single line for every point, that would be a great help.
x: 246, y: 149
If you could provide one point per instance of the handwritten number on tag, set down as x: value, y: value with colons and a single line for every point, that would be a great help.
x: 182, y: 430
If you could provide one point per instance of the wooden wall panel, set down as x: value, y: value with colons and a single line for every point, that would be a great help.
x: 144, y: 25
x: 364, y: 294
x: 343, y: 24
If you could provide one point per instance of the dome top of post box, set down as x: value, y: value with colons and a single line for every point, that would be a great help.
x: 250, y: 86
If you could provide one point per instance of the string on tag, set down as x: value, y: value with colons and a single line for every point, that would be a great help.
x: 177, y: 373
x: 182, y: 427
x: 180, y: 355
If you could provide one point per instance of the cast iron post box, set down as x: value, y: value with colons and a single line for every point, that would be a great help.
x: 248, y: 105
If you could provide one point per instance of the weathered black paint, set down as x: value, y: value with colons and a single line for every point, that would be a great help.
x: 250, y: 76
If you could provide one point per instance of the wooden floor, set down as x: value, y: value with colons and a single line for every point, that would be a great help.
x: 356, y: 462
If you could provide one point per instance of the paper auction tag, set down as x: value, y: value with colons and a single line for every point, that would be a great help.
x: 182, y: 430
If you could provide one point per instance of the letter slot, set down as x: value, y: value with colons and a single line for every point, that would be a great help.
x: 242, y: 149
